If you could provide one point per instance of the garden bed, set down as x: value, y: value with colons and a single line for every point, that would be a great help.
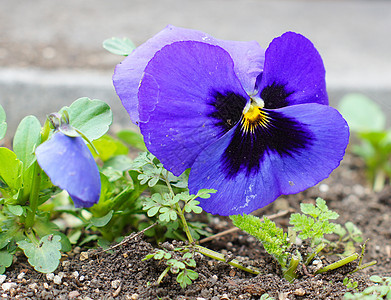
x: 121, y: 274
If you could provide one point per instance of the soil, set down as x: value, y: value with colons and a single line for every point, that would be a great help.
x: 121, y: 273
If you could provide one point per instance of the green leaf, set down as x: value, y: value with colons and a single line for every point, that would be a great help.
x: 205, y: 193
x: 108, y: 147
x: 186, y: 277
x: 91, y: 117
x: 102, y: 221
x: 10, y: 168
x: 132, y: 138
x: 5, y: 260
x: 16, y: 210
x: 27, y: 138
x: 45, y: 256
x: 119, y: 162
x: 3, y: 124
x: 361, y: 113
x: 119, y: 46
x: 193, y: 206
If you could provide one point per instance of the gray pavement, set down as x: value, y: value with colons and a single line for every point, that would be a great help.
x: 50, y: 50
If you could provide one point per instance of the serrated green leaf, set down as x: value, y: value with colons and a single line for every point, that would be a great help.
x: 45, y: 256
x: 91, y: 117
x: 133, y: 139
x: 3, y: 124
x: 193, y: 206
x: 310, y: 209
x: 361, y: 113
x: 102, y: 221
x: 10, y: 169
x: 16, y: 210
x: 27, y: 138
x: 153, y: 211
x: 205, y: 193
x: 5, y: 260
x: 119, y: 46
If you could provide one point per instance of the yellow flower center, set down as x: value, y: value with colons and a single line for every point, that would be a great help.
x: 254, y: 116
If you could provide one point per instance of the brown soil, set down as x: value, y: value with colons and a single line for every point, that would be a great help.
x: 121, y: 273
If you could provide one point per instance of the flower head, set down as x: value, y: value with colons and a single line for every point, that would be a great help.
x: 250, y: 123
x: 70, y: 165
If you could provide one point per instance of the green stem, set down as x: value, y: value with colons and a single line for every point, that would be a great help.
x: 179, y: 211
x: 162, y: 275
x: 361, y: 267
x: 378, y: 183
x: 221, y: 257
x: 338, y: 264
x: 314, y: 253
x: 33, y: 198
x: 290, y: 272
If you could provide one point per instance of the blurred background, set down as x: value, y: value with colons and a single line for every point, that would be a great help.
x: 51, y: 51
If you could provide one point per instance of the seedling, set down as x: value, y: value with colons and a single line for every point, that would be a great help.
x: 311, y: 226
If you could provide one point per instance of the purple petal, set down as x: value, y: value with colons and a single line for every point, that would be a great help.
x: 293, y: 73
x: 248, y: 58
x: 283, y: 169
x: 70, y: 165
x: 185, y: 99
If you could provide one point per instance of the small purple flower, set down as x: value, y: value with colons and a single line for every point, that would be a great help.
x: 70, y: 165
x: 250, y: 123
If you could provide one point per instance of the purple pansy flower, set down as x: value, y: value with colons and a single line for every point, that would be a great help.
x: 70, y: 165
x: 250, y: 123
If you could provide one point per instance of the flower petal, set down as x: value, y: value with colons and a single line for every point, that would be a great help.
x: 70, y: 165
x: 293, y: 73
x: 188, y: 98
x: 248, y: 58
x: 284, y: 167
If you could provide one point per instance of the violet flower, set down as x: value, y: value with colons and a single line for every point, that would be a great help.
x: 251, y: 124
x: 70, y: 165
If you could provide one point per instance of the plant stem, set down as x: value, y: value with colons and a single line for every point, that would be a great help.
x: 361, y: 267
x: 33, y: 198
x: 179, y: 211
x: 378, y: 183
x: 314, y: 253
x: 162, y: 275
x: 338, y: 264
x: 221, y: 257
x: 290, y: 272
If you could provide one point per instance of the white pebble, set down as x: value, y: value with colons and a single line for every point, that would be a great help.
x: 57, y: 279
x: 50, y: 276
x: 324, y: 188
x: 75, y: 274
x: 115, y: 284
x: 82, y: 277
x: 8, y: 285
x: 2, y: 278
x: 21, y: 275
x: 45, y: 285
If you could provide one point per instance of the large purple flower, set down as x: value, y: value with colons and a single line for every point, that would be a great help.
x: 251, y: 124
x: 70, y: 165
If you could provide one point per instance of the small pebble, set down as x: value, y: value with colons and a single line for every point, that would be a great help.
x: 83, y: 256
x: 134, y: 297
x: 224, y: 297
x: 73, y: 294
x: 77, y: 249
x: 21, y: 275
x: 66, y: 263
x: 45, y: 285
x: 82, y: 277
x: 57, y: 279
x: 50, y: 276
x: 115, y: 284
x: 76, y: 274
x: 33, y: 286
x: 8, y: 285
x: 2, y: 278
x: 299, y: 292
x: 324, y: 188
